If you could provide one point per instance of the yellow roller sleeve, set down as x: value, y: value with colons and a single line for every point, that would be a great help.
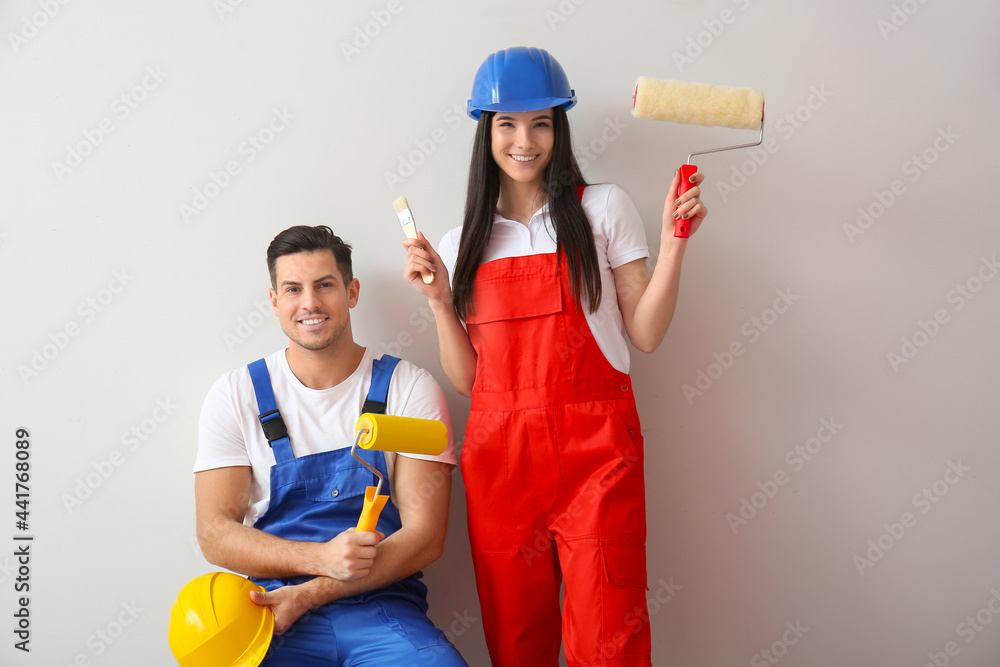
x: 388, y: 433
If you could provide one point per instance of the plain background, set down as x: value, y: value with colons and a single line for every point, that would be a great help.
x: 820, y: 422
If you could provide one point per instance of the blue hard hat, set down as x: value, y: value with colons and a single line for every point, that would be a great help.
x: 520, y: 79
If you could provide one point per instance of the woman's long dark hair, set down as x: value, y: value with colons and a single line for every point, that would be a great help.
x: 574, y: 236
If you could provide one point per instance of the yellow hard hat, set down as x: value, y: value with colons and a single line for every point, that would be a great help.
x: 214, y: 623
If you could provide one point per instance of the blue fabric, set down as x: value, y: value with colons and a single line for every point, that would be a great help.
x: 386, y: 631
x: 316, y: 497
x: 378, y: 392
x: 265, y: 403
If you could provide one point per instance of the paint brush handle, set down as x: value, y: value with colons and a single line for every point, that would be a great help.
x: 409, y: 227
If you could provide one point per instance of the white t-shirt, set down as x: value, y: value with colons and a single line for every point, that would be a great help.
x: 618, y: 236
x: 318, y: 420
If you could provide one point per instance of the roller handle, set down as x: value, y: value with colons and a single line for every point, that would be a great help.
x: 371, y: 511
x: 682, y: 227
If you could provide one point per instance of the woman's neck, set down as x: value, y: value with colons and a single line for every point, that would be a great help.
x: 520, y: 201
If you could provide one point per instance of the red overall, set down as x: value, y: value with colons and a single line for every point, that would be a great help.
x: 553, y: 469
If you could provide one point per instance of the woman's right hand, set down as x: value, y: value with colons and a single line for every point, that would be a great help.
x: 421, y: 258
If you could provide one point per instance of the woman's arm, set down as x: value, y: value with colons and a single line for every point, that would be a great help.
x: 647, y: 303
x: 458, y: 357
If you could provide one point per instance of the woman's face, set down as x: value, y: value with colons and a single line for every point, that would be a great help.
x: 522, y: 144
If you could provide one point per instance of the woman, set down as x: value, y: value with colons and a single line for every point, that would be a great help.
x: 549, y: 277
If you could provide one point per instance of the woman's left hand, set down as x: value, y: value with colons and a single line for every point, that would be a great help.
x: 688, y: 206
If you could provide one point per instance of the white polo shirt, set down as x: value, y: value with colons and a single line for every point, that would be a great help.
x: 618, y: 235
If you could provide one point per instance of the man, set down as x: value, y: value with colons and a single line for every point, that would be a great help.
x: 281, y: 508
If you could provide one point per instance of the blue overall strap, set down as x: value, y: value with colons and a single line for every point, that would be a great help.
x: 378, y: 392
x: 270, y: 419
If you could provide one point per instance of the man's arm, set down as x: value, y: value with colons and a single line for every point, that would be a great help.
x: 421, y: 491
x: 221, y: 497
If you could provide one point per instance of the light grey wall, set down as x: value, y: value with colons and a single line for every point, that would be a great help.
x: 838, y: 474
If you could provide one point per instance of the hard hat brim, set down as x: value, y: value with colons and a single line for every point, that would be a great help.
x: 257, y: 651
x: 523, y: 105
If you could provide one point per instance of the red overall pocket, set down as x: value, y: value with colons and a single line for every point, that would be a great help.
x: 625, y: 626
x: 486, y: 473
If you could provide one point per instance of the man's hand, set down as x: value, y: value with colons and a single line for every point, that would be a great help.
x: 350, y: 555
x: 288, y: 603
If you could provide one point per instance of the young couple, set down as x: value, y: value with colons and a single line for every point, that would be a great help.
x: 536, y: 297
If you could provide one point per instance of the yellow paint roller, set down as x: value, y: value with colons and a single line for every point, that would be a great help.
x: 389, y: 433
x: 699, y: 104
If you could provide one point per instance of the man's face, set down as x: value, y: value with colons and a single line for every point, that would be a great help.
x: 311, y: 300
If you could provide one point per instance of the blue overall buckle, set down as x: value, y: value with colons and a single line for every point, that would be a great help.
x: 273, y: 426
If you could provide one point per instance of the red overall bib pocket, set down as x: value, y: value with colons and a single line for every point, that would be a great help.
x: 516, y: 293
x: 530, y: 296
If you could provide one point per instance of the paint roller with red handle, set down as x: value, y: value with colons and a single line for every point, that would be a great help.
x: 698, y: 104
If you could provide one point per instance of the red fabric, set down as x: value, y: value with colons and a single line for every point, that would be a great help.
x: 552, y: 463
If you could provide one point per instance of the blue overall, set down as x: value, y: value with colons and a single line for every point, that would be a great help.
x: 315, y: 498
